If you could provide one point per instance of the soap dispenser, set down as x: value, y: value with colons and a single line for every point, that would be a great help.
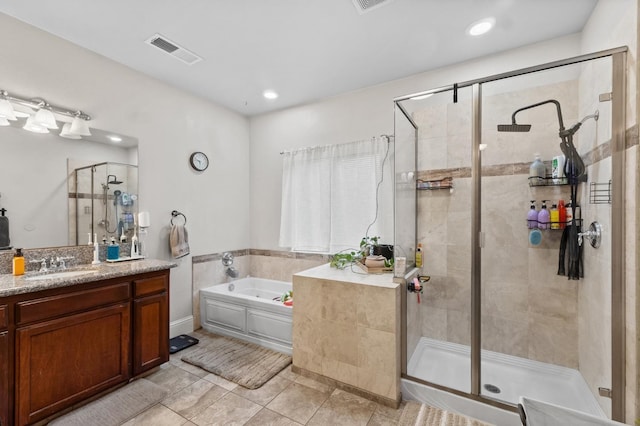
x: 113, y: 250
x: 532, y: 216
x: 543, y: 216
x: 18, y: 263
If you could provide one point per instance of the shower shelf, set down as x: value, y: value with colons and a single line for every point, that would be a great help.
x: 444, y: 183
x: 548, y: 181
x: 578, y: 223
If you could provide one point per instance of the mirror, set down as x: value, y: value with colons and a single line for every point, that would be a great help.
x: 37, y: 184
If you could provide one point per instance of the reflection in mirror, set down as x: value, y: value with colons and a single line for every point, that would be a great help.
x: 37, y: 182
x: 103, y: 202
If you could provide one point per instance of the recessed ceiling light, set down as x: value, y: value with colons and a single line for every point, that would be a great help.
x: 480, y: 27
x: 114, y: 138
x: 270, y: 94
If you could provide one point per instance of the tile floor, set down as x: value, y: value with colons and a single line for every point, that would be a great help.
x: 197, y: 397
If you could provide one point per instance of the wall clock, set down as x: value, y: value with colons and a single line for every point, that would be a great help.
x: 199, y: 161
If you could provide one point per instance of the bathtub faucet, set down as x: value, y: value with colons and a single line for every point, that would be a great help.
x: 232, y: 272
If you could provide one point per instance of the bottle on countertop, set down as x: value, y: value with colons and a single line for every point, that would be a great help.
x: 18, y: 262
x: 554, y: 217
x: 537, y: 171
x: 543, y: 216
x: 532, y: 216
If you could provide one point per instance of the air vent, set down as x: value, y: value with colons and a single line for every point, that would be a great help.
x: 363, y: 6
x: 173, y: 49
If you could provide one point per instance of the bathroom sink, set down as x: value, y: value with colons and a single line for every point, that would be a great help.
x: 59, y: 275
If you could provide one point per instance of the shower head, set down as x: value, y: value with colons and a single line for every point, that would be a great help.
x: 114, y: 181
x: 514, y: 127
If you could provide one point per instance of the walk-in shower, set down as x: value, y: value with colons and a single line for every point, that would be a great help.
x: 106, y: 201
x: 496, y: 321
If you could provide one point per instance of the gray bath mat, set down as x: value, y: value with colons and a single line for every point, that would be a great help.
x: 416, y: 414
x: 116, y: 407
x: 246, y: 364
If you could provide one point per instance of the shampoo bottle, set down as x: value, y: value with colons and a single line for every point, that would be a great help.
x: 419, y: 256
x: 554, y: 216
x: 537, y: 171
x: 562, y: 214
x: 543, y: 216
x: 18, y: 263
x: 532, y: 216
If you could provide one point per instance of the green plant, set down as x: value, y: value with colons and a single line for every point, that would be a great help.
x: 342, y: 260
x: 345, y: 258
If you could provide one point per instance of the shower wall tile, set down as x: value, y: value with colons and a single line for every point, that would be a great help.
x: 552, y: 340
x: 500, y: 334
x: 459, y: 326
x: 433, y: 321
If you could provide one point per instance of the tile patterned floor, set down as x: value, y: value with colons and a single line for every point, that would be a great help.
x: 197, y: 397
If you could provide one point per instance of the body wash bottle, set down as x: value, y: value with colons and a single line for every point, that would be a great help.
x: 554, y: 216
x: 532, y: 216
x: 543, y: 216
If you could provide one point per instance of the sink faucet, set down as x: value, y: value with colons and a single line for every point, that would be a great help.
x: 43, y: 264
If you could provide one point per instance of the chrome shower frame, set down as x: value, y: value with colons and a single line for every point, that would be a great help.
x: 618, y: 250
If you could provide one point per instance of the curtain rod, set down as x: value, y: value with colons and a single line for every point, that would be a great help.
x: 373, y: 138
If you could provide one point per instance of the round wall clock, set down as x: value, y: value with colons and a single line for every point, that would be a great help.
x: 199, y: 161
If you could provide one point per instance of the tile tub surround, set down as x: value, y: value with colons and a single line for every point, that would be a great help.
x: 270, y: 264
x: 346, y: 327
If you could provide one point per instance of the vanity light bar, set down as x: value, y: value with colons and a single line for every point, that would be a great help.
x: 38, y: 103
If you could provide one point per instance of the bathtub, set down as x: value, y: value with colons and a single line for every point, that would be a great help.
x: 249, y: 309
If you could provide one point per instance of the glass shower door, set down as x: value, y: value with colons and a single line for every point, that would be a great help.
x: 546, y: 333
x: 438, y: 317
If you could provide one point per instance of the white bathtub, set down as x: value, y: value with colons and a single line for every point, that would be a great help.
x: 247, y: 309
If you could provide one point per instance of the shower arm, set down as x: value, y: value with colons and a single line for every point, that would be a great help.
x: 550, y: 101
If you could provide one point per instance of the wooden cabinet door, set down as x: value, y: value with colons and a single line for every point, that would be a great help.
x: 63, y: 361
x: 4, y: 378
x: 150, y: 332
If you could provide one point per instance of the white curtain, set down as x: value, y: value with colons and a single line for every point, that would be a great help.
x: 329, y: 196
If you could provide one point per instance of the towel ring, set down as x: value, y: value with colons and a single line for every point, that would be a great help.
x: 175, y: 214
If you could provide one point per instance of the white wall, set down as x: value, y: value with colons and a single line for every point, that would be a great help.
x: 355, y: 116
x: 169, y: 125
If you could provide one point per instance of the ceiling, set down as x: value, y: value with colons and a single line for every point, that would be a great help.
x: 305, y: 50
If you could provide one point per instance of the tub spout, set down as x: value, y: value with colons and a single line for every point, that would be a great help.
x: 232, y: 272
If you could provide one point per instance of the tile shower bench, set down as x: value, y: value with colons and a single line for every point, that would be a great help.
x: 64, y: 340
x: 346, y: 330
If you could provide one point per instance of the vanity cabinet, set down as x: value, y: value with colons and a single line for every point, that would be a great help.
x: 4, y: 367
x: 72, y: 343
x: 150, y: 323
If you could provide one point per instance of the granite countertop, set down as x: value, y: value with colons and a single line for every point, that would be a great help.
x: 28, y: 283
x: 353, y: 275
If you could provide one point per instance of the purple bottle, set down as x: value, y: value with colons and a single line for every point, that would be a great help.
x: 543, y: 216
x: 532, y: 216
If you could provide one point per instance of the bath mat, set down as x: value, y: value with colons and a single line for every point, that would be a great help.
x: 116, y: 407
x: 181, y: 342
x: 246, y: 364
x: 416, y: 414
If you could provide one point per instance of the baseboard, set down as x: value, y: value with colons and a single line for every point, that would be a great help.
x: 181, y: 326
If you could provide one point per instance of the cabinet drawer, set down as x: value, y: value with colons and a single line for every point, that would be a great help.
x: 63, y: 304
x: 151, y: 285
x: 4, y: 321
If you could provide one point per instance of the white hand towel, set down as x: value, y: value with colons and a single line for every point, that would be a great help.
x: 179, y: 241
